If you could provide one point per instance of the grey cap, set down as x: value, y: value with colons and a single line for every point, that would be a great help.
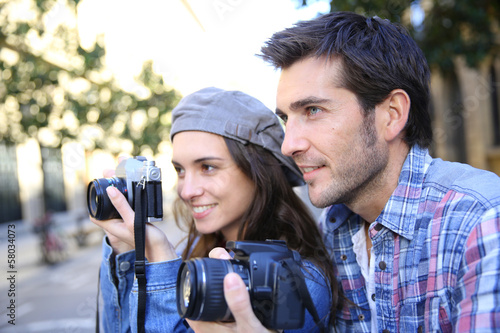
x: 235, y: 115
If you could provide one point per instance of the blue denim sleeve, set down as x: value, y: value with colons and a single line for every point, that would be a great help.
x: 320, y: 291
x: 161, y: 306
x: 120, y: 302
x: 116, y: 279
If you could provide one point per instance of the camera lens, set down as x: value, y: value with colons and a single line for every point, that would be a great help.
x: 186, y: 290
x: 200, y: 290
x: 98, y: 203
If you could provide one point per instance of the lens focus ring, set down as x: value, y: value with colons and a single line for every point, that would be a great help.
x: 215, y: 307
x: 200, y: 289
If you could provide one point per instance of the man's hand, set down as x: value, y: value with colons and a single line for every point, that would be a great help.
x: 238, y: 300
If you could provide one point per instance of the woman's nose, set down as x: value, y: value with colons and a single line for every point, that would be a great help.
x: 189, y: 188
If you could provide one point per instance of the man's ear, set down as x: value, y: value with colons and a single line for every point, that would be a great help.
x: 397, y: 110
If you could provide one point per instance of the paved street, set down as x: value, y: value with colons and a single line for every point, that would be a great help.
x: 50, y: 298
x: 58, y: 298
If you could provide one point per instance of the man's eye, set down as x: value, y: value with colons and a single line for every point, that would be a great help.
x: 313, y: 110
x: 283, y: 119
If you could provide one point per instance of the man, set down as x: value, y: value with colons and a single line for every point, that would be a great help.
x: 415, y: 240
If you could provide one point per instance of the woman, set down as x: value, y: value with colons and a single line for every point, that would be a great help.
x: 233, y: 184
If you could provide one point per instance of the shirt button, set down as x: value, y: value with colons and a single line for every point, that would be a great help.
x: 382, y: 265
x: 333, y: 219
x: 124, y: 266
x: 378, y: 227
x: 385, y: 331
x: 373, y: 297
x: 361, y: 317
x: 343, y: 257
x: 420, y: 329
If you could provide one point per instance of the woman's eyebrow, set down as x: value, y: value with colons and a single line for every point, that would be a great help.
x: 208, y: 158
x: 202, y: 159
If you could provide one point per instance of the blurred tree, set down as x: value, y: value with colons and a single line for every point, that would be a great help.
x: 444, y: 29
x: 53, y: 90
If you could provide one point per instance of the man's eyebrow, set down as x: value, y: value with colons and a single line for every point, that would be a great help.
x: 307, y: 101
x: 301, y: 103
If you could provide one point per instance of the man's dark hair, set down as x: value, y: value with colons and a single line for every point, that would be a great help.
x: 377, y: 57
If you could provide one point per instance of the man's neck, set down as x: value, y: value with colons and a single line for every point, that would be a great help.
x: 372, y: 201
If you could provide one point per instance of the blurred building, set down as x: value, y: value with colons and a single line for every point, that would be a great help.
x: 466, y: 114
x: 39, y: 179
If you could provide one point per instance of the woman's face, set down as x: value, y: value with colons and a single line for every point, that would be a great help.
x: 210, y: 183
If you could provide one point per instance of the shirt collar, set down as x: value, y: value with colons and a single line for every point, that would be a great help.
x: 336, y: 215
x: 402, y: 207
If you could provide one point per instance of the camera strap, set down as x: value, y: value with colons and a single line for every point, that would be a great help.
x: 140, y: 207
x: 300, y: 282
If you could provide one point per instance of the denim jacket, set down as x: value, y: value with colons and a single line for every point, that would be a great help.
x: 120, y: 295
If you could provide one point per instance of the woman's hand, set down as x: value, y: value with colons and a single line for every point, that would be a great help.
x: 120, y: 232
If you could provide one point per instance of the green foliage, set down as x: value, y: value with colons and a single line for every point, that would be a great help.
x: 449, y: 28
x: 58, y: 91
x: 391, y: 10
x: 461, y: 28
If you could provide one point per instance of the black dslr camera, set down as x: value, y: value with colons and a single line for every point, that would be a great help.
x: 129, y: 173
x: 265, y: 267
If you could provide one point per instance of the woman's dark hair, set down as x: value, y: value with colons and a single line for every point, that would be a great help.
x: 377, y: 57
x: 276, y: 212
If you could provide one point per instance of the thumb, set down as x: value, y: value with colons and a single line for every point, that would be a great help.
x: 120, y: 202
x: 238, y: 300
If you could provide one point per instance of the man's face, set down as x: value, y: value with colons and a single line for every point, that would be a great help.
x: 337, y: 148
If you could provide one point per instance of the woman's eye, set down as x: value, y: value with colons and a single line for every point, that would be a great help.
x: 179, y: 171
x: 207, y: 167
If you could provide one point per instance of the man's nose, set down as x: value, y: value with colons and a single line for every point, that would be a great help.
x: 294, y: 142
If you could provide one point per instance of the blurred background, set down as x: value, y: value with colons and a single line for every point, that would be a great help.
x: 84, y: 82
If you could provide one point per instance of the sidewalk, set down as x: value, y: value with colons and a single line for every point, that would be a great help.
x: 23, y: 244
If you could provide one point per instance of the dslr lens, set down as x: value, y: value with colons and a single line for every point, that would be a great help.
x: 98, y: 203
x: 200, y: 290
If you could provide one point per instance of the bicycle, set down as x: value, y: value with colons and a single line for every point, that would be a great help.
x: 52, y: 246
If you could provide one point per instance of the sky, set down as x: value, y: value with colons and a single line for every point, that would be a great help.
x: 218, y: 49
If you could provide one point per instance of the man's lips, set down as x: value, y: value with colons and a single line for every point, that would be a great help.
x: 309, y: 172
x: 307, y: 169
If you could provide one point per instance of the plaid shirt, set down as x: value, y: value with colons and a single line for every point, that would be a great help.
x: 437, y: 252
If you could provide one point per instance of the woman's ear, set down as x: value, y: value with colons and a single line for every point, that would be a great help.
x: 397, y: 110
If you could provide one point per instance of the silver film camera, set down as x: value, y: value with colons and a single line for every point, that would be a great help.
x: 129, y: 173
